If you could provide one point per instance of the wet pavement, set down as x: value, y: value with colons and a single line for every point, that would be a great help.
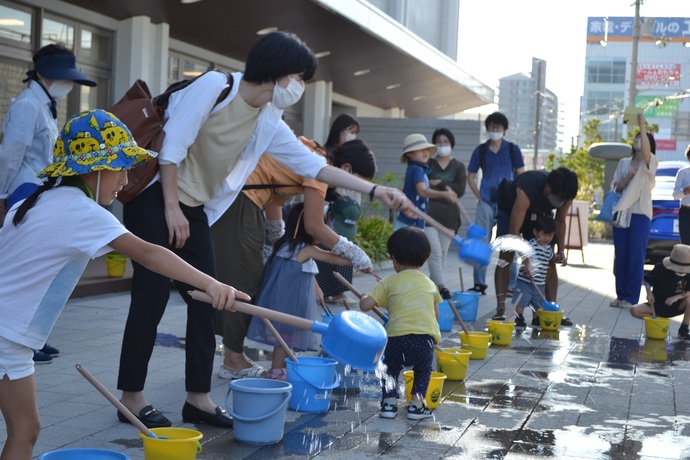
x: 596, y: 390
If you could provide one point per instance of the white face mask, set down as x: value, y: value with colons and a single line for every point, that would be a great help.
x: 60, y: 88
x: 680, y: 274
x: 495, y: 136
x: 349, y: 137
x: 637, y: 144
x: 443, y: 151
x: 285, y: 97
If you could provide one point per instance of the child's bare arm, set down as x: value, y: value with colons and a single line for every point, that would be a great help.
x: 160, y: 260
x: 312, y: 252
x: 366, y: 303
x: 425, y: 192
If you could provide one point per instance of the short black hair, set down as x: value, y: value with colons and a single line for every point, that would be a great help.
x: 276, y: 55
x: 546, y: 224
x: 687, y: 152
x: 496, y: 118
x: 409, y: 246
x: 358, y: 154
x: 443, y: 132
x: 563, y: 182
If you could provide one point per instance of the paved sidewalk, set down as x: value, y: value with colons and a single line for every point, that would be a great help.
x: 594, y: 390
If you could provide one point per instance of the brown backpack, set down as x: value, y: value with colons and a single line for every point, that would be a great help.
x: 143, y: 114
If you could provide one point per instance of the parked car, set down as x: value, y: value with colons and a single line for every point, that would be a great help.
x: 664, y: 234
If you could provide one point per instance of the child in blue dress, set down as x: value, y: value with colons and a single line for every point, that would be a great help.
x: 416, y: 153
x: 289, y: 286
x: 412, y: 301
x: 45, y: 244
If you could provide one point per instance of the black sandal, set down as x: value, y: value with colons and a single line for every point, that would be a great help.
x: 479, y: 288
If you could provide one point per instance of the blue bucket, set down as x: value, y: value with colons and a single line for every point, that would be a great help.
x: 313, y: 379
x: 326, y: 318
x: 467, y: 303
x: 445, y: 317
x: 85, y: 454
x: 258, y: 407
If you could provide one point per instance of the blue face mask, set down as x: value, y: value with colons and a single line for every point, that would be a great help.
x: 554, y: 203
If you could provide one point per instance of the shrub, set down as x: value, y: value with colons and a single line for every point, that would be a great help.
x: 372, y: 236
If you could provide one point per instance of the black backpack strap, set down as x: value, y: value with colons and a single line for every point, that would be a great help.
x: 161, y: 101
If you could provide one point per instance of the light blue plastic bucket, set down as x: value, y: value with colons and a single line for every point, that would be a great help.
x: 326, y: 318
x: 313, y: 380
x: 445, y: 317
x: 258, y: 407
x: 467, y: 304
x: 84, y: 454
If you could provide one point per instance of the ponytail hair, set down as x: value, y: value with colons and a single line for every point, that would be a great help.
x: 30, y: 201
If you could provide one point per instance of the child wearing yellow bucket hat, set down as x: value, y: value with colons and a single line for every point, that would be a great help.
x: 412, y: 302
x: 668, y: 290
x: 45, y: 244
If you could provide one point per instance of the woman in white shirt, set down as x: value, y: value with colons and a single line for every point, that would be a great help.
x: 634, y: 179
x: 681, y: 191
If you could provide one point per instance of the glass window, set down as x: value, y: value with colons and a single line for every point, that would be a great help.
x: 57, y: 32
x: 95, y: 45
x: 608, y: 71
x: 183, y: 67
x: 15, y: 25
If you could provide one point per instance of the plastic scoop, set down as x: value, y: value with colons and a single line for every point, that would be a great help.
x: 352, y: 337
x: 473, y: 230
x: 472, y: 250
x: 354, y: 290
x: 115, y: 402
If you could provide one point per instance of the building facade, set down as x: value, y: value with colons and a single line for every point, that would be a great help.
x: 661, y: 80
x: 532, y: 111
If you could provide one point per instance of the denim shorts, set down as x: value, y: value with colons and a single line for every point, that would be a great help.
x: 529, y: 294
x: 16, y: 361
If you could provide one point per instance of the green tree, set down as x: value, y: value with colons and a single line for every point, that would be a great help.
x: 590, y: 171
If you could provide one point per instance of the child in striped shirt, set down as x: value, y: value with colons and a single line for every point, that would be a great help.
x: 534, y: 269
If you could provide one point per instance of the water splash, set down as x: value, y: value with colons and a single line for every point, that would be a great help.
x: 512, y: 243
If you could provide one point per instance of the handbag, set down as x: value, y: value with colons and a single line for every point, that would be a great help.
x: 606, y: 213
x: 144, y: 115
x: 621, y: 219
x: 137, y: 111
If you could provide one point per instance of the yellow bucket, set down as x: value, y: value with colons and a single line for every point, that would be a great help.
x: 182, y: 444
x: 501, y: 333
x: 477, y: 342
x: 116, y: 264
x: 433, y: 391
x: 550, y: 320
x: 453, y: 362
x: 656, y: 328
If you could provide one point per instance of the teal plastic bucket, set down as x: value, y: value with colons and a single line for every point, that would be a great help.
x: 84, y: 454
x: 313, y: 380
x: 467, y: 303
x: 258, y: 407
x: 445, y: 317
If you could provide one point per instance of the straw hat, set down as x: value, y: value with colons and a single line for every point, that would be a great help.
x: 679, y: 261
x: 95, y: 140
x: 416, y: 142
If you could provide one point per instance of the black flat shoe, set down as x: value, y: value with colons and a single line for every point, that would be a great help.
x: 149, y: 416
x: 220, y: 418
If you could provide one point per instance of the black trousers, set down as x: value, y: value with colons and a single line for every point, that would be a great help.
x: 144, y: 216
x: 684, y: 225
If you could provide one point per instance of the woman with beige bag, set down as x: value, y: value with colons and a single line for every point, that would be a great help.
x: 632, y: 215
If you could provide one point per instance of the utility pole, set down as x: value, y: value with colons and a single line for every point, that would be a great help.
x: 537, y: 114
x: 632, y: 89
